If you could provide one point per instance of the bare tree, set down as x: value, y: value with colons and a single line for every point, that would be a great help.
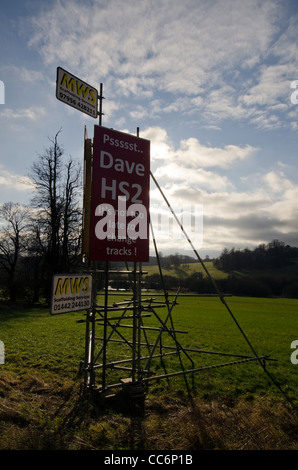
x: 57, y: 228
x: 45, y: 174
x: 12, y: 241
x: 72, y: 216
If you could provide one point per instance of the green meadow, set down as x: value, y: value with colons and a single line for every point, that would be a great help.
x: 185, y: 270
x: 41, y: 383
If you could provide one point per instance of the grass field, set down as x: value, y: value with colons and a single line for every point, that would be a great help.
x: 185, y: 270
x: 234, y: 407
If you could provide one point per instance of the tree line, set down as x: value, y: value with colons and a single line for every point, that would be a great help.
x: 275, y: 254
x: 254, y: 272
x: 44, y: 237
x: 258, y: 272
x: 246, y: 286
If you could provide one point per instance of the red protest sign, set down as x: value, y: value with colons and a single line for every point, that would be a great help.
x: 119, y: 229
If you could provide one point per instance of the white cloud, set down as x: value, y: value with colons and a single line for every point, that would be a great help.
x: 196, y: 155
x: 23, y: 74
x: 231, y: 217
x: 192, y: 154
x: 16, y: 182
x: 207, y: 56
x: 240, y: 219
x: 272, y: 86
x: 32, y: 113
x: 161, y: 147
x: 286, y: 45
x: 200, y: 178
x: 277, y: 181
x: 171, y: 46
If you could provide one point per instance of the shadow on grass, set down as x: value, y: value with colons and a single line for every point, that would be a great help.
x: 13, y: 310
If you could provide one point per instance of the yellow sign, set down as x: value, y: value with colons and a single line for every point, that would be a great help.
x: 76, y: 93
x: 71, y: 293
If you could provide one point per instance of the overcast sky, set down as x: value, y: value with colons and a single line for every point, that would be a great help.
x: 207, y: 81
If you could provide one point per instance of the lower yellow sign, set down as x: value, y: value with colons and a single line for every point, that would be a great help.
x: 71, y: 293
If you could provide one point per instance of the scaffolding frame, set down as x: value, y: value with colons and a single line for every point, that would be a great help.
x: 137, y: 365
x: 135, y: 309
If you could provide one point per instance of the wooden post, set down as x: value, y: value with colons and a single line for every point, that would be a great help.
x: 87, y: 197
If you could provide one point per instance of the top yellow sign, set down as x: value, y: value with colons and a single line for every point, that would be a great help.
x: 76, y: 93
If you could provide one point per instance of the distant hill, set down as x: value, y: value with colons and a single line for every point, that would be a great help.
x: 274, y: 282
x: 267, y: 271
x: 275, y: 254
x: 185, y: 270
